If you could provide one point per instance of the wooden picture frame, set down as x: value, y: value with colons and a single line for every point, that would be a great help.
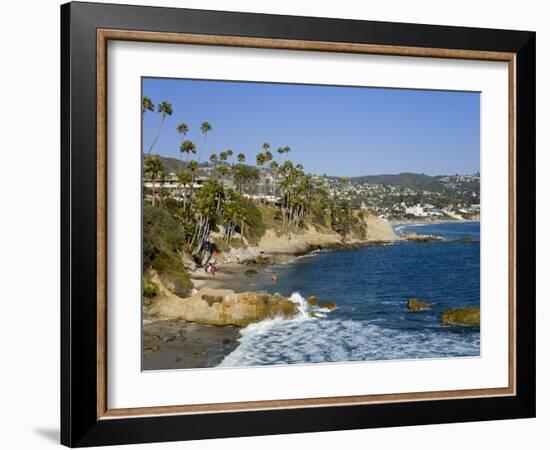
x: 86, y: 418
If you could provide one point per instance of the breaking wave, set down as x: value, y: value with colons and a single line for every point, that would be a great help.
x: 307, y: 339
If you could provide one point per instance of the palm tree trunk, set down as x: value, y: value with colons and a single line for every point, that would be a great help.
x: 154, y: 193
x: 184, y: 197
x: 157, y: 136
x: 202, y: 149
x: 192, y: 192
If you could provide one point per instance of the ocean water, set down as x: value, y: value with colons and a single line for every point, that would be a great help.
x: 370, y: 286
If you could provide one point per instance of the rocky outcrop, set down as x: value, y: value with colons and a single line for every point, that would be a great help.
x: 312, y: 300
x: 224, y: 307
x: 414, y: 304
x: 276, y: 242
x: 329, y: 304
x: 379, y: 229
x: 415, y: 237
x: 465, y: 240
x: 461, y: 316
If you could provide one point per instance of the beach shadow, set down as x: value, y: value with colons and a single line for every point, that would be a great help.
x: 50, y: 434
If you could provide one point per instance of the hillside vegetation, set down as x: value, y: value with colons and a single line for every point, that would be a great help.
x: 198, y: 213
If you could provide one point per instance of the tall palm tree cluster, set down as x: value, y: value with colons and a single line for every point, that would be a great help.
x: 214, y: 207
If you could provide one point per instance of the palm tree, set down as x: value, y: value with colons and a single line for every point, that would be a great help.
x: 260, y: 161
x: 146, y: 105
x: 214, y: 161
x: 241, y: 158
x: 223, y: 170
x: 205, y: 128
x: 182, y: 129
x: 154, y: 169
x: 187, y: 147
x: 165, y: 109
x: 184, y: 178
x: 273, y: 167
x: 192, y: 167
x: 268, y: 156
x: 282, y: 150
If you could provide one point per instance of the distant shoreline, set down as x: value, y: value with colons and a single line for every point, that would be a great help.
x: 395, y: 223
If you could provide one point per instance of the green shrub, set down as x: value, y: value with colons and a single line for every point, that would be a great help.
x: 150, y: 290
x: 254, y: 225
x: 163, y: 239
x: 177, y: 282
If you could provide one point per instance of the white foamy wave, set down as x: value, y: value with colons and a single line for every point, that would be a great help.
x: 311, y: 340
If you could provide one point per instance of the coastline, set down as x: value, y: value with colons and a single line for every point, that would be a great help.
x: 428, y: 222
x: 169, y: 343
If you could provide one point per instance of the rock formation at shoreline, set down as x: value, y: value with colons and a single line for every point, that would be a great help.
x: 380, y: 230
x: 415, y: 237
x: 223, y: 307
x: 461, y: 316
x: 414, y: 304
x: 465, y: 240
x: 275, y: 243
x: 329, y: 304
x: 312, y: 300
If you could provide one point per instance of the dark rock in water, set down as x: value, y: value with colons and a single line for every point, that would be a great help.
x: 465, y: 240
x: 414, y: 304
x: 329, y: 304
x: 461, y: 316
x: 226, y: 341
x: 312, y: 300
x: 251, y: 272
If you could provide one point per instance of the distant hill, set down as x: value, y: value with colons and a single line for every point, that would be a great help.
x: 413, y: 181
x: 172, y: 164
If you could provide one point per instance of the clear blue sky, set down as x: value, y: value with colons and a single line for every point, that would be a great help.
x: 341, y: 131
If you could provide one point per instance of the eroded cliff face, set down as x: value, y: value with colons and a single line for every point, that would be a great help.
x: 379, y: 229
x: 272, y: 242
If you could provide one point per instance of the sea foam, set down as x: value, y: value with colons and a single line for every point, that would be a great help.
x: 311, y: 340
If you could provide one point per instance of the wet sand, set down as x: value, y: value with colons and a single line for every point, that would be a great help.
x: 174, y: 344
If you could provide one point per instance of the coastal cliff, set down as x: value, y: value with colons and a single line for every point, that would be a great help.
x: 296, y: 242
